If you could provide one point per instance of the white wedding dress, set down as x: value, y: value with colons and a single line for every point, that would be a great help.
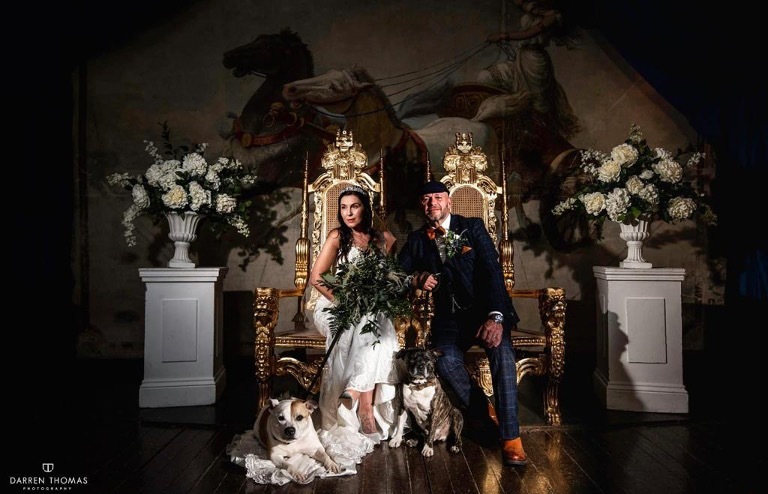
x: 356, y: 363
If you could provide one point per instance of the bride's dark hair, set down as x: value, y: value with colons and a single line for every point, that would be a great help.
x: 367, y: 221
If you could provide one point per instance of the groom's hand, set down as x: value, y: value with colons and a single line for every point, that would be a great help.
x: 427, y: 281
x: 490, y: 333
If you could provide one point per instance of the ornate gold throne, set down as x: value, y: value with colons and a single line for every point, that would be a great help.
x: 282, y: 344
x: 540, y: 350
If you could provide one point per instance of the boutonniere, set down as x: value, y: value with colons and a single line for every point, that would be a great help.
x: 456, y: 243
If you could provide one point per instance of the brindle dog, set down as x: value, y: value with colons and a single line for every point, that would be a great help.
x: 421, y: 396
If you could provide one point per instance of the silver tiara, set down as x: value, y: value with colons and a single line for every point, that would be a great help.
x: 354, y: 188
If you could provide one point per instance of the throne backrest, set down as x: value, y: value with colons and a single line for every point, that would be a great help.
x: 473, y: 194
x: 343, y: 163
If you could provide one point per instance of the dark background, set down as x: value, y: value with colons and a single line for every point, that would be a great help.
x: 702, y: 59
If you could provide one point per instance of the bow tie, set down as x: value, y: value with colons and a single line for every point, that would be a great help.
x: 433, y: 231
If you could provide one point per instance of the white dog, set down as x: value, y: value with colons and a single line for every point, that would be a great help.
x: 285, y: 428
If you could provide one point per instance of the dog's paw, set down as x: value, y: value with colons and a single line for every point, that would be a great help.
x: 395, y: 442
x: 427, y: 451
x: 412, y: 443
x: 454, y: 449
x: 300, y: 477
x: 332, y: 466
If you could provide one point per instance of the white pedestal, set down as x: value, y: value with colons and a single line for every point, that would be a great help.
x: 640, y: 340
x: 183, y: 341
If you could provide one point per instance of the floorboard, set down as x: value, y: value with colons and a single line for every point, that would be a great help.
x: 100, y: 433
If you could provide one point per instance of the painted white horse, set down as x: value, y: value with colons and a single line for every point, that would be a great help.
x: 354, y: 94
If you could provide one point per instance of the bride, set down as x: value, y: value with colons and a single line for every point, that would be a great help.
x: 358, y: 381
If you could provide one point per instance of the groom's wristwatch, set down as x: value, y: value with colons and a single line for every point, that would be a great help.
x: 496, y: 317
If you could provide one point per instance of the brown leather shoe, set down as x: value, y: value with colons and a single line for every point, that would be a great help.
x: 512, y: 453
x: 492, y: 414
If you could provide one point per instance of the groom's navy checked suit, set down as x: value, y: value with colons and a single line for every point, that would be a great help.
x: 471, y: 286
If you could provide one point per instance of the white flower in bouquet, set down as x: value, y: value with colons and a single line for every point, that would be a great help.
x: 635, y: 182
x: 182, y: 181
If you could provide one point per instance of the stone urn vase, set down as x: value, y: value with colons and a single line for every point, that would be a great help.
x: 183, y: 231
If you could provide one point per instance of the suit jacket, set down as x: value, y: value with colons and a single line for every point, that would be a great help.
x: 471, y: 283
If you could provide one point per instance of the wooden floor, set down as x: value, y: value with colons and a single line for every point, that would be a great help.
x: 86, y: 422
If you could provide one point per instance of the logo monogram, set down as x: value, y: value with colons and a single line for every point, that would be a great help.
x: 47, y: 467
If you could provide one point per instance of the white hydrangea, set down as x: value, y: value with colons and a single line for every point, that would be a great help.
x: 625, y: 155
x: 594, y: 202
x: 647, y: 174
x: 650, y: 194
x: 225, y: 204
x: 195, y: 165
x: 669, y: 170
x: 212, y: 178
x: 681, y: 208
x: 198, y: 196
x: 616, y: 203
x: 163, y: 175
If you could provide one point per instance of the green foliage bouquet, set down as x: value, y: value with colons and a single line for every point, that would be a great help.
x: 635, y: 182
x: 179, y: 181
x: 372, y: 283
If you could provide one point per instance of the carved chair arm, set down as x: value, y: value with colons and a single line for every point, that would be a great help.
x: 551, y: 303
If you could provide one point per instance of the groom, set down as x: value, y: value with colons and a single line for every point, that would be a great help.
x: 454, y: 258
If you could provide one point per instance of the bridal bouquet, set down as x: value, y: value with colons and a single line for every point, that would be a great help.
x: 180, y: 181
x: 372, y: 283
x: 635, y: 182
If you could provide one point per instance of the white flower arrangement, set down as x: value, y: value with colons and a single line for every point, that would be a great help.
x: 635, y: 182
x: 181, y: 181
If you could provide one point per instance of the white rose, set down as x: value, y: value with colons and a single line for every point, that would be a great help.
x: 634, y: 185
x: 175, y: 198
x: 609, y: 171
x: 594, y: 202
x: 625, y: 155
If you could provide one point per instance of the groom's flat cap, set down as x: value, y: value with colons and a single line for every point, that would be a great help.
x: 433, y: 187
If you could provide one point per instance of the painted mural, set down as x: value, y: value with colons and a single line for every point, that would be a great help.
x: 532, y: 87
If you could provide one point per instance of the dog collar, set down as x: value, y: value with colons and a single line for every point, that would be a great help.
x: 425, y: 384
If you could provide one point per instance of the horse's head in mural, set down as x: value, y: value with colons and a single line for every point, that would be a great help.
x: 268, y: 136
x: 496, y: 116
x: 368, y: 111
